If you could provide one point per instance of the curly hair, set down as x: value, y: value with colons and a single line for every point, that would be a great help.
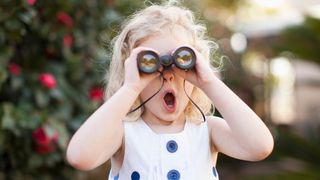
x: 145, y: 23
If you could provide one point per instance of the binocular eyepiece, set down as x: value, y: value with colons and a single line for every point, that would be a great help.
x: 149, y: 61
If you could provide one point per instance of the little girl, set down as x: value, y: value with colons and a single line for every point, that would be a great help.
x: 167, y: 138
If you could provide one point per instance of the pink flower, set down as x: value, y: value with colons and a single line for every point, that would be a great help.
x: 14, y: 69
x: 31, y: 2
x: 47, y: 80
x: 96, y: 94
x: 65, y: 19
x: 67, y: 40
x: 44, y: 143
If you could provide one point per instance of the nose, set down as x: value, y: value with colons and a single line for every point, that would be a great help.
x: 168, y: 75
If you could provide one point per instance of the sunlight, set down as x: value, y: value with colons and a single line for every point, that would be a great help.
x: 282, y: 95
x: 269, y: 3
x: 238, y: 42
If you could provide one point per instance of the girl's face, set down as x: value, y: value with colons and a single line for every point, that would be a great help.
x: 169, y: 104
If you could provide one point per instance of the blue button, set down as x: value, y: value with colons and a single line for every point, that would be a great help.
x: 172, y: 146
x: 116, y: 177
x: 173, y: 175
x: 214, y: 171
x: 135, y: 175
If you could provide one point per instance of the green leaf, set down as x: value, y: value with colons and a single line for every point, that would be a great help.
x: 28, y: 117
x: 57, y: 94
x: 16, y: 83
x: 35, y: 161
x: 2, y: 37
x: 110, y: 16
x: 42, y: 99
x: 3, y: 77
x: 13, y: 24
x: 5, y: 55
x: 7, y: 119
x: 27, y: 16
x: 64, y: 136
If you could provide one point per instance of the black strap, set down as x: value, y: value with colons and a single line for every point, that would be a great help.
x: 184, y: 87
x: 148, y: 98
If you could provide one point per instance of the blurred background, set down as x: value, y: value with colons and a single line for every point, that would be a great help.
x: 53, y: 57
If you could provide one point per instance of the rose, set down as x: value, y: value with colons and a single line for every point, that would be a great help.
x: 67, y: 40
x: 65, y: 19
x: 44, y: 142
x: 47, y: 80
x: 96, y: 94
x: 14, y: 69
x: 31, y: 2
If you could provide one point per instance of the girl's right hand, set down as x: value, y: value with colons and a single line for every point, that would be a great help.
x: 133, y: 78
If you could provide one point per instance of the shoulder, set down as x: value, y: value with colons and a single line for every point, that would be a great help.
x: 212, y: 123
x: 217, y: 127
x: 215, y: 122
x: 132, y: 124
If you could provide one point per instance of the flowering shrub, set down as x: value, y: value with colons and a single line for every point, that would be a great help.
x: 52, y: 63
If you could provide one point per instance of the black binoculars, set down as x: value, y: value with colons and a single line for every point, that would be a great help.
x: 149, y: 61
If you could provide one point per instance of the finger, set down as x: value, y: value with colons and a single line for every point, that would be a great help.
x: 179, y: 72
x: 150, y: 76
x: 161, y: 69
x: 155, y: 75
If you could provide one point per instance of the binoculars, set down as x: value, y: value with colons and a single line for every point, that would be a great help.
x: 149, y: 61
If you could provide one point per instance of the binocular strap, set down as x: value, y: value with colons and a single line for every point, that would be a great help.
x: 147, y: 99
x: 184, y: 87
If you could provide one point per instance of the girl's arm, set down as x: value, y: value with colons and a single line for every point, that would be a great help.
x: 241, y: 134
x: 101, y: 134
x: 100, y: 137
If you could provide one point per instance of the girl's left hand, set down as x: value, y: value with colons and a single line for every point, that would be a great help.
x: 200, y: 75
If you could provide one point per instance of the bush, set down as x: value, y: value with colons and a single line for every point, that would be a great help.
x: 52, y: 61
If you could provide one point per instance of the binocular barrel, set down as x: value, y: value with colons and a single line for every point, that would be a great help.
x: 149, y: 61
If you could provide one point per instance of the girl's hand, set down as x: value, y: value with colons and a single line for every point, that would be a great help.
x: 133, y: 78
x: 200, y: 75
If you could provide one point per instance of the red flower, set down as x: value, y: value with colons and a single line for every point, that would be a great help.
x: 65, y: 19
x: 31, y: 2
x: 96, y: 94
x: 45, y: 149
x: 40, y: 137
x: 14, y: 69
x: 67, y: 40
x: 47, y: 80
x: 44, y: 143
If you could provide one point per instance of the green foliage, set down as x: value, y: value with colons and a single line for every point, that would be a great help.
x: 302, y: 40
x: 53, y: 56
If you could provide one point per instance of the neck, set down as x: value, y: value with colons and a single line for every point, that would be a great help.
x: 159, y: 125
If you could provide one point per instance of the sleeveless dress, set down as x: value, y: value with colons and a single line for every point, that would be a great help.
x: 150, y: 156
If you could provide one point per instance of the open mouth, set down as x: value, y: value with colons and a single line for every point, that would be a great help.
x: 169, y: 101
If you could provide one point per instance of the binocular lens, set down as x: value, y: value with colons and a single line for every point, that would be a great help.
x: 185, y: 58
x: 148, y: 61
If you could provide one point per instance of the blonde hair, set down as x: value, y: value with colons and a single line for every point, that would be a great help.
x: 146, y: 23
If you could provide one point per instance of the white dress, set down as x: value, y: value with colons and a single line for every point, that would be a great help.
x: 150, y: 156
